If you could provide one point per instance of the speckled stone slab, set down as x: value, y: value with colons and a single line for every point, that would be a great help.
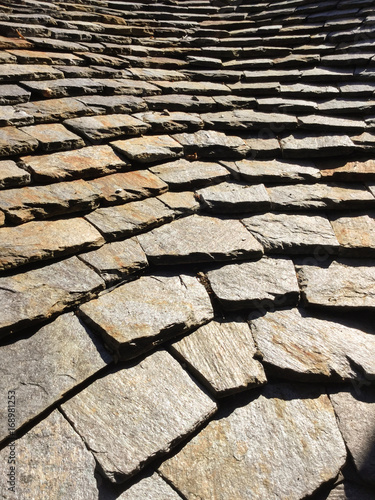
x: 156, y: 148
x: 149, y: 487
x: 356, y: 234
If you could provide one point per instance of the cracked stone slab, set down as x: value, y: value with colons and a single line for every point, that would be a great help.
x: 228, y: 197
x: 130, y: 219
x: 356, y: 234
x: 155, y: 148
x: 345, y: 283
x: 171, y: 122
x: 47, y: 458
x: 304, y: 348
x: 54, y: 137
x: 221, y: 355
x: 302, y: 146
x: 52, y: 110
x: 42, y: 293
x: 85, y: 162
x: 64, y: 354
x: 358, y: 433
x: 41, y: 240
x: 13, y: 142
x: 268, y: 282
x: 291, y: 458
x: 293, y: 234
x: 150, y: 487
x: 124, y: 433
x: 138, y: 315
x: 117, y: 261
x: 212, y: 144
x: 199, y: 239
x: 12, y: 176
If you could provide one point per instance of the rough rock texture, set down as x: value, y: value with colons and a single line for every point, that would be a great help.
x: 14, y: 141
x: 237, y: 456
x: 150, y: 487
x: 143, y: 428
x: 356, y: 234
x: 54, y: 137
x: 350, y: 491
x: 212, y: 144
x: 299, y: 145
x: 157, y: 148
x: 11, y: 175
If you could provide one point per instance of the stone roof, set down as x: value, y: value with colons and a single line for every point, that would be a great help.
x: 187, y: 283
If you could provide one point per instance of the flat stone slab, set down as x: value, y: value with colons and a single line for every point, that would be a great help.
x: 182, y: 203
x: 212, y: 144
x: 342, y: 284
x: 13, y: 94
x: 248, y: 120
x: 42, y: 293
x: 136, y: 316
x: 221, y: 356
x: 35, y: 241
x: 358, y: 433
x: 171, y: 122
x: 64, y: 87
x: 304, y: 348
x: 16, y: 72
x: 54, y: 137
x: 263, y: 148
x: 302, y: 146
x: 320, y: 196
x: 85, y: 162
x: 13, y: 142
x: 348, y: 171
x: 293, y: 234
x: 52, y: 110
x: 154, y: 148
x: 113, y: 104
x: 124, y: 433
x: 356, y: 234
x: 11, y: 116
x: 117, y: 261
x: 199, y: 239
x: 12, y: 176
x: 234, y: 198
x: 181, y: 102
x: 130, y: 219
x: 238, y: 456
x: 46, y: 460
x: 269, y: 282
x: 195, y: 88
x: 151, y: 486
x: 43, y: 378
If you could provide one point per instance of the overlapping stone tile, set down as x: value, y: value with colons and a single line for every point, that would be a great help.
x: 12, y: 176
x: 125, y: 86
x: 182, y: 203
x: 14, y: 142
x: 13, y: 94
x: 248, y: 120
x: 238, y: 456
x: 54, y: 137
x: 348, y: 171
x: 137, y: 428
x: 300, y: 146
x: 171, y: 122
x: 195, y: 88
x: 181, y: 102
x: 355, y: 233
x: 52, y: 110
x: 156, y: 148
x: 16, y: 72
x: 11, y: 116
x: 63, y: 87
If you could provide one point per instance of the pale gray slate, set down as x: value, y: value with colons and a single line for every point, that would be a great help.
x: 330, y: 123
x: 12, y: 116
x: 155, y: 148
x: 316, y: 146
x: 181, y: 102
x: 144, y: 418
x: 195, y: 88
x: 171, y: 122
x: 138, y: 315
x: 355, y: 233
x: 13, y: 94
x: 199, y: 239
x: 221, y: 355
x: 248, y: 120
x: 151, y: 487
x: 304, y: 348
x: 44, y: 367
x: 12, y: 176
x: 212, y: 144
x: 283, y: 444
x: 182, y: 202
x: 269, y: 282
x: 293, y: 234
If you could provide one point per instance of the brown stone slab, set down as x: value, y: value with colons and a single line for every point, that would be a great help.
x: 12, y: 176
x: 53, y: 110
x: 356, y: 234
x: 240, y: 456
x: 14, y: 142
x: 302, y: 146
x: 182, y: 203
x: 113, y: 104
x: 342, y: 170
x: 155, y: 74
x: 35, y: 241
x: 54, y: 137
x: 154, y: 148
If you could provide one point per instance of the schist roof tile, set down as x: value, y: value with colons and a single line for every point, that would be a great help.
x: 164, y: 164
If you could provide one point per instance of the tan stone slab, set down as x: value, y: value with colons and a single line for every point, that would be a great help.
x: 275, y: 171
x: 12, y: 116
x: 16, y: 72
x: 14, y: 142
x: 182, y: 203
x: 2, y: 218
x: 154, y: 148
x: 356, y: 234
x: 43, y: 240
x: 150, y: 487
x: 52, y: 110
x: 283, y: 444
x: 136, y: 316
x: 221, y: 355
x: 54, y: 137
x: 64, y: 354
x: 127, y: 432
x: 47, y: 459
x: 348, y: 171
x: 171, y: 122
x: 12, y: 176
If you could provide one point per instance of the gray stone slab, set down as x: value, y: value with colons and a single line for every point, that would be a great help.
x: 181, y: 102
x: 127, y: 432
x: 249, y: 120
x: 263, y: 146
x: 14, y: 142
x: 171, y: 122
x: 11, y: 116
x: 240, y: 456
x: 64, y: 87
x: 269, y: 282
x: 13, y: 94
x: 348, y: 283
x: 138, y: 315
x: 35, y: 241
x: 40, y: 369
x: 199, y: 239
x: 150, y: 487
x: 194, y: 88
x: 212, y: 144
x: 221, y: 355
x: 125, y: 86
x: 155, y: 148
x: 16, y: 72
x: 42, y: 293
x: 330, y: 123
x: 12, y: 176
x: 305, y: 348
x: 355, y: 409
x: 54, y: 137
x: 356, y: 234
x: 350, y: 491
x: 182, y: 203
x: 113, y: 104
x: 234, y: 198
x: 293, y: 234
x: 47, y: 458
x: 53, y: 110
x: 302, y: 146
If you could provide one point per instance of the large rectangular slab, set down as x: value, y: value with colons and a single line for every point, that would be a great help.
x: 154, y: 148
x: 212, y: 144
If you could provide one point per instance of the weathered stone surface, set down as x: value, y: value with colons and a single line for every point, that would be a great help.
x: 47, y: 458
x: 263, y: 146
x: 54, y: 137
x: 36, y: 241
x: 117, y: 261
x: 306, y: 348
x: 11, y: 175
x: 181, y: 203
x: 16, y: 72
x: 140, y: 314
x: 64, y: 354
x: 151, y: 486
x: 356, y: 234
x: 231, y: 197
x: 131, y: 218
x: 13, y: 94
x: 355, y: 409
x: 248, y: 120
x: 350, y: 491
x: 97, y: 128
x: 348, y: 171
x: 52, y: 110
x: 156, y: 74
x: 155, y: 148
x: 113, y: 104
x: 269, y: 282
x: 300, y: 146
x: 181, y: 102
x: 85, y: 162
x: 64, y: 87
x: 343, y: 283
x: 221, y: 355
x: 199, y: 239
x: 238, y: 456
x: 11, y: 116
x: 171, y: 122
x: 210, y: 144
x: 320, y: 196
x: 330, y: 123
x: 42, y: 293
x: 126, y: 433
x: 182, y: 174
x: 38, y: 57
x: 195, y: 88
x: 14, y: 141
x: 125, y: 86
x: 293, y: 234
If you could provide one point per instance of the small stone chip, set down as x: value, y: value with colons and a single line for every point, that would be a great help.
x: 154, y: 148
